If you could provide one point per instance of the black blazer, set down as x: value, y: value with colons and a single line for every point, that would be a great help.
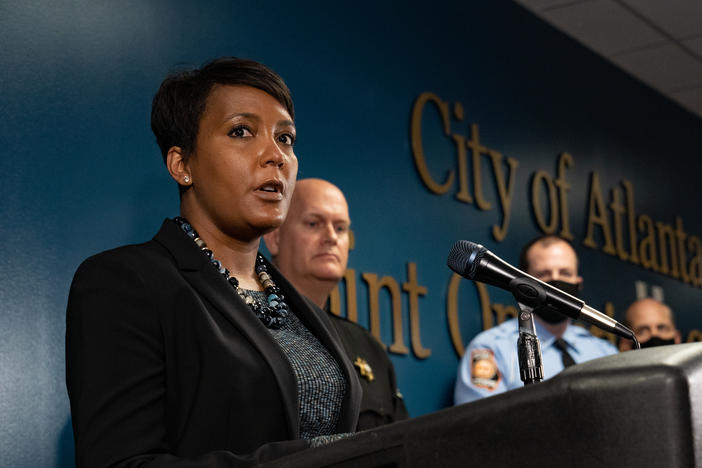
x: 165, y: 364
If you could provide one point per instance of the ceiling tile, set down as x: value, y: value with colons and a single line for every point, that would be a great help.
x: 691, y: 99
x: 604, y: 26
x: 537, y: 5
x: 679, y: 18
x: 667, y: 67
x: 695, y: 46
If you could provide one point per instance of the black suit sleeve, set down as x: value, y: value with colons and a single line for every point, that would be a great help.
x: 115, y: 374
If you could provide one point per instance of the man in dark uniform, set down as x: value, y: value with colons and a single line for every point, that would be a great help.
x: 311, y: 249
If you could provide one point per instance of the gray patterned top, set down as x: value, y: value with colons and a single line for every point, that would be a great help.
x: 321, y: 385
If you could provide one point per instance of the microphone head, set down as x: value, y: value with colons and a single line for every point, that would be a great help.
x: 464, y: 258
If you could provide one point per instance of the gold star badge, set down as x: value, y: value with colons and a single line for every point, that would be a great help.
x: 364, y: 369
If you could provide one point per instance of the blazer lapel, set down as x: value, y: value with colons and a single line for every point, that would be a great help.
x: 197, y: 270
x: 319, y: 324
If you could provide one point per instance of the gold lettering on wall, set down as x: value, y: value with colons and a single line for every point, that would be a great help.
x: 350, y: 281
x: 665, y: 231
x: 504, y: 181
x: 617, y: 210
x: 374, y: 286
x: 662, y: 251
x: 565, y: 161
x: 420, y: 159
x: 631, y: 217
x: 452, y: 314
x: 556, y: 199
x: 695, y: 246
x: 505, y: 191
x: 680, y: 236
x: 662, y: 247
x: 335, y: 299
x: 463, y: 194
x: 597, y: 216
x: 647, y: 248
x: 540, y: 178
x: 477, y: 149
x: 414, y: 290
x: 452, y: 311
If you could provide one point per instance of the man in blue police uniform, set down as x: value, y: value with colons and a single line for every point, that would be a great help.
x: 311, y: 249
x: 490, y: 363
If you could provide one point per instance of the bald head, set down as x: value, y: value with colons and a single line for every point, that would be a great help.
x: 311, y: 247
x: 317, y: 194
x: 651, y: 319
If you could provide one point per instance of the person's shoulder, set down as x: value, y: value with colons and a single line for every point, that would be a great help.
x: 505, y: 330
x: 582, y: 333
x: 357, y: 335
x: 499, y: 339
x: 349, y: 326
x: 584, y: 336
x: 127, y: 257
x: 126, y: 252
x: 345, y: 322
x: 150, y: 253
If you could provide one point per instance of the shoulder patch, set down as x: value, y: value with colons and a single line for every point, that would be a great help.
x: 483, y: 369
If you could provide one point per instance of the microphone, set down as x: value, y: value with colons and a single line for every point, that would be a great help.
x: 475, y: 262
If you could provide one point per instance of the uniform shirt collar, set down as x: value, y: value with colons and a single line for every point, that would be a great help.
x: 547, y: 339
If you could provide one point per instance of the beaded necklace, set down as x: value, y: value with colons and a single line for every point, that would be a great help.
x: 273, y: 314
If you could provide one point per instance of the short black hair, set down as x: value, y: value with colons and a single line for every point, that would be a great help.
x: 546, y: 240
x: 180, y: 101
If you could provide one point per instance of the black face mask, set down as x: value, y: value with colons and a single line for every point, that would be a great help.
x: 655, y: 341
x: 552, y: 317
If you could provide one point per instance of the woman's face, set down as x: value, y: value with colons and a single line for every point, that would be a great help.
x: 243, y: 168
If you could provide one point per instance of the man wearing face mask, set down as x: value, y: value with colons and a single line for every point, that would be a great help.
x: 490, y: 364
x: 652, y: 322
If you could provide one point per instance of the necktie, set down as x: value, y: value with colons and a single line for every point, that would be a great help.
x: 562, y: 346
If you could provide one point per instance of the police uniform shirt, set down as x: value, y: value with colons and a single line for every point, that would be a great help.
x: 490, y: 364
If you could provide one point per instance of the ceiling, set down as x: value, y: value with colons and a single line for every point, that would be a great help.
x: 657, y: 41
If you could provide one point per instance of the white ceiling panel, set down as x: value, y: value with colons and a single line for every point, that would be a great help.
x: 678, y: 18
x: 604, y: 26
x: 668, y: 67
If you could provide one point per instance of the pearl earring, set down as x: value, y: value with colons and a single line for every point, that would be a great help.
x: 186, y: 179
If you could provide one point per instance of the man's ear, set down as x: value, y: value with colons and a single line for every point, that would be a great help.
x: 272, y: 240
x: 624, y: 344
x: 579, y: 282
x: 177, y: 166
x: 678, y: 337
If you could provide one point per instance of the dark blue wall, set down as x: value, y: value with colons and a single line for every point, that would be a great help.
x: 80, y: 171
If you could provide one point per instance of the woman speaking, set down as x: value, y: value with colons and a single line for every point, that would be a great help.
x: 191, y: 349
